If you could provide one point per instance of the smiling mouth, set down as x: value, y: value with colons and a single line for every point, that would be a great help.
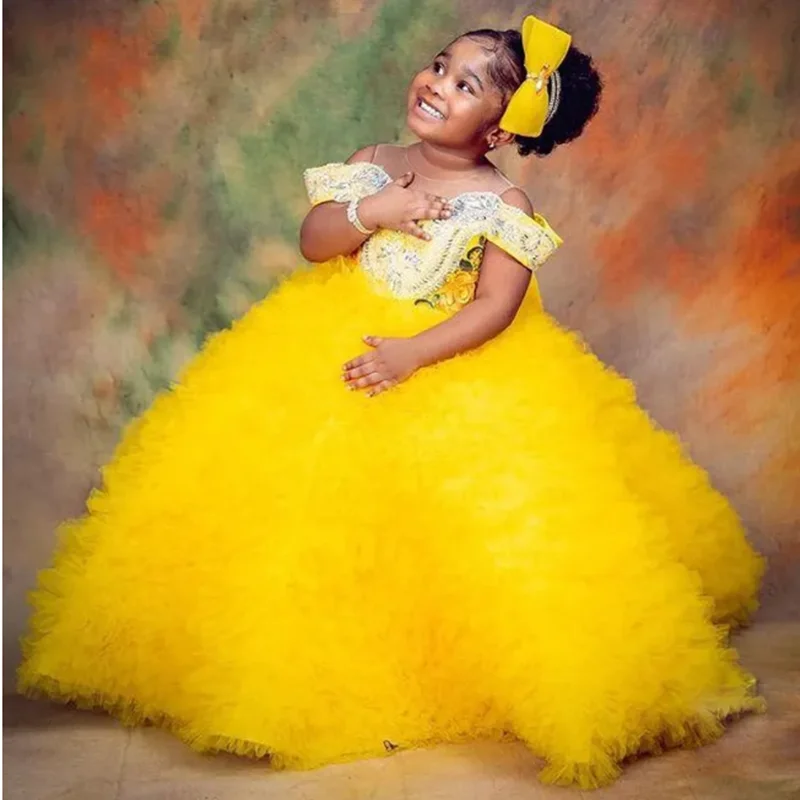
x: 428, y: 109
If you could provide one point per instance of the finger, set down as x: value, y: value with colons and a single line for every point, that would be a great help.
x: 440, y: 212
x: 357, y: 362
x: 358, y: 372
x: 381, y: 387
x: 432, y: 212
x: 405, y: 179
x: 417, y: 231
x: 373, y: 341
x: 438, y: 200
x: 414, y: 230
x: 368, y: 380
x: 428, y: 205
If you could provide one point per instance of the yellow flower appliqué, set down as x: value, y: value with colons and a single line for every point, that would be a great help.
x: 459, y: 287
x: 458, y: 290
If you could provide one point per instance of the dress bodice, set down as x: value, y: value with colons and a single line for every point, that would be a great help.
x: 442, y: 272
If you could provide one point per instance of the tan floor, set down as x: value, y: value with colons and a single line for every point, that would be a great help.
x: 51, y: 752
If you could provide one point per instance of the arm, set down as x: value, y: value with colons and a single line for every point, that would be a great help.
x: 501, y: 288
x: 326, y: 231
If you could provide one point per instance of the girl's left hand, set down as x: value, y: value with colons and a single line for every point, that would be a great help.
x: 389, y: 363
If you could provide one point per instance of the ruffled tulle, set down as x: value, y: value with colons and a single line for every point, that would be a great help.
x: 504, y: 545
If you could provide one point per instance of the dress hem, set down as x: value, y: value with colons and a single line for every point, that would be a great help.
x: 704, y: 728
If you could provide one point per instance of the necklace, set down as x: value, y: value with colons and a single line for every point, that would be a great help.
x: 469, y: 177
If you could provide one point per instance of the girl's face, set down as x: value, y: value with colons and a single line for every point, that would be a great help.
x: 453, y: 102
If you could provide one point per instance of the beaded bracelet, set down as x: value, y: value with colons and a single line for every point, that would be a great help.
x: 352, y: 218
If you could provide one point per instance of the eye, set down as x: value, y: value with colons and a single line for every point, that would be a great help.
x: 463, y: 86
x: 438, y: 67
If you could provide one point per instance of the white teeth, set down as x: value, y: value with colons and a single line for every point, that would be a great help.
x: 430, y: 110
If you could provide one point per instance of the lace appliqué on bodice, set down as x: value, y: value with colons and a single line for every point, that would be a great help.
x: 444, y: 271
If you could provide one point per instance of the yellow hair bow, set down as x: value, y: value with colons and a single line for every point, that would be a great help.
x: 531, y: 105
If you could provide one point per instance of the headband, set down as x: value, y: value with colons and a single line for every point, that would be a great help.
x: 536, y: 100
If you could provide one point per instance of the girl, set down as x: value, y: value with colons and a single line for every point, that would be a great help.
x: 501, y: 544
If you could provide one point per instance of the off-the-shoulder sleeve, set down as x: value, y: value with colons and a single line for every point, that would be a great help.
x: 342, y: 183
x: 530, y: 240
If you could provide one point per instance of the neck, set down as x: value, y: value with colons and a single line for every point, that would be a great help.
x: 440, y: 158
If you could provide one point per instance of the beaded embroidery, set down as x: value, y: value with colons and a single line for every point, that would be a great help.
x: 442, y: 272
x: 342, y: 183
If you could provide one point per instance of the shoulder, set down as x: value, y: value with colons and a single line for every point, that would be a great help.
x: 380, y: 154
x: 514, y: 196
x: 367, y: 155
x: 364, y: 155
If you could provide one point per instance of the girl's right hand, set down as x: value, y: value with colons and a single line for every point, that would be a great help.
x: 399, y: 208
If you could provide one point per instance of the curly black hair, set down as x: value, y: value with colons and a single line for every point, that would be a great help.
x: 581, y: 88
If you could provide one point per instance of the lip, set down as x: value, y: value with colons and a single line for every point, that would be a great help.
x: 424, y: 114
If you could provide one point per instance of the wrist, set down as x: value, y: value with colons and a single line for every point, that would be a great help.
x: 366, y: 213
x: 417, y: 350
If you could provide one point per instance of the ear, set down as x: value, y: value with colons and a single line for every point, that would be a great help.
x: 497, y: 138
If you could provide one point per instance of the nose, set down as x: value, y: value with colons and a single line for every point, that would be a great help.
x: 434, y: 85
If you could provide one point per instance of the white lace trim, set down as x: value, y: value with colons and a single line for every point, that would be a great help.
x: 412, y: 268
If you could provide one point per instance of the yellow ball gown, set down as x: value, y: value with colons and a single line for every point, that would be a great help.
x: 503, y: 546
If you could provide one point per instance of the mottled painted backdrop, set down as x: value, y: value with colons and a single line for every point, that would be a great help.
x: 153, y: 156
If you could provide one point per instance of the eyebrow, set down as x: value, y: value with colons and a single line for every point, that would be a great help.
x: 471, y: 74
x: 468, y: 72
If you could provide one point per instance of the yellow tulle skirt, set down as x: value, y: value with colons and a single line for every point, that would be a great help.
x: 503, y: 546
